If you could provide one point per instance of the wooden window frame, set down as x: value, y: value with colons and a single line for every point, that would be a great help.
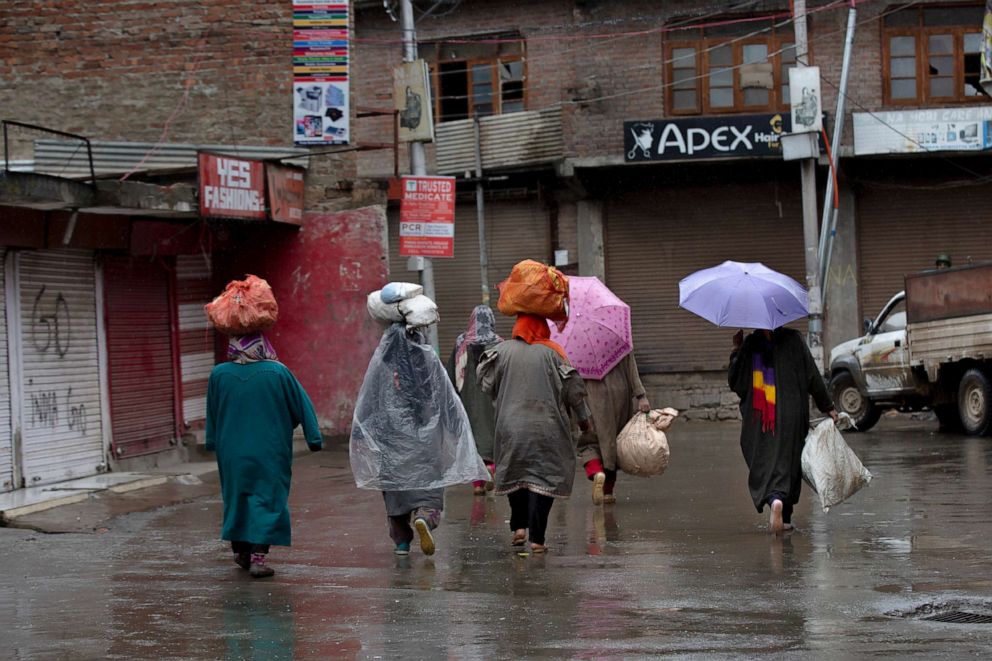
x: 497, y: 84
x: 922, y: 33
x: 703, y: 47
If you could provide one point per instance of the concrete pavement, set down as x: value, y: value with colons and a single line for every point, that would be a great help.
x: 681, y: 566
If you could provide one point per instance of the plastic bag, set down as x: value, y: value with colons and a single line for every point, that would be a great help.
x: 395, y: 292
x: 830, y: 467
x: 419, y: 312
x: 642, y: 447
x: 245, y: 306
x: 535, y: 288
x: 386, y: 313
x: 410, y: 430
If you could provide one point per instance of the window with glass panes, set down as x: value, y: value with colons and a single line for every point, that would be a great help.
x: 477, y: 79
x: 737, y: 67
x: 932, y: 54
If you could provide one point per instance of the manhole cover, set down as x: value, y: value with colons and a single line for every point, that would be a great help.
x: 960, y: 617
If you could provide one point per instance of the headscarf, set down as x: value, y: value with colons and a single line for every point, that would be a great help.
x: 250, y: 348
x: 534, y: 330
x: 763, y: 384
x: 481, y: 332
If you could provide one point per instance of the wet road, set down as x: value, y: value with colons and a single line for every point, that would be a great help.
x: 681, y: 566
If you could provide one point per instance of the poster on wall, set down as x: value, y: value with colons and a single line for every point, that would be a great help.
x: 320, y: 73
x: 427, y: 217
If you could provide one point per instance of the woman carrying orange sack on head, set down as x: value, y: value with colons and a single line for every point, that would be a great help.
x: 534, y: 388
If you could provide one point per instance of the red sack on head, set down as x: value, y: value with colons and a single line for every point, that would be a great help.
x: 535, y: 288
x: 245, y: 306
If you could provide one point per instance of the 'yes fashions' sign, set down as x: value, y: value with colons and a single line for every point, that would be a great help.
x: 705, y: 137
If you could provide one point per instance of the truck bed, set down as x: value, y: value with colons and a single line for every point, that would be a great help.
x: 949, y: 340
x: 962, y: 291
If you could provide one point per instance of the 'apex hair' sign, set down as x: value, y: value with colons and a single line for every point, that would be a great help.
x: 705, y: 137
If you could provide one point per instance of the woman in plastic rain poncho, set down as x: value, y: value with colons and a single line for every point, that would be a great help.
x: 410, y: 436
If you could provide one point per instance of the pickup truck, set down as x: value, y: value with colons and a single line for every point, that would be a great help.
x: 930, y: 347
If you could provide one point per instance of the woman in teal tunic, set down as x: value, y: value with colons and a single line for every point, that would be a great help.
x: 253, y: 405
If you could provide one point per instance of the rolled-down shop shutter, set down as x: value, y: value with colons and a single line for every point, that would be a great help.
x: 902, y: 231
x: 6, y: 433
x: 197, y: 348
x: 61, y: 420
x: 656, y: 238
x: 140, y: 356
x: 515, y: 230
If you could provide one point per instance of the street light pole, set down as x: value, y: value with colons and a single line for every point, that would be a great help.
x: 811, y: 238
x: 418, y: 158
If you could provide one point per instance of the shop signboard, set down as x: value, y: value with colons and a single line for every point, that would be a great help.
x: 320, y: 73
x: 231, y: 187
x: 285, y: 185
x: 730, y: 136
x: 427, y: 217
x: 920, y: 131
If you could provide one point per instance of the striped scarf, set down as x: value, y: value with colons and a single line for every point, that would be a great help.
x: 763, y: 389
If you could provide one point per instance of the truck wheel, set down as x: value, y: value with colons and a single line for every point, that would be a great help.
x: 853, y: 402
x: 975, y: 402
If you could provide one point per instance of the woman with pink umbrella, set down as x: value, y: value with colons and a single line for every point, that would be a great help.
x: 598, y: 341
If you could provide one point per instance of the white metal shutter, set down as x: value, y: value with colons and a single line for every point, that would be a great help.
x: 61, y: 421
x: 6, y: 436
x: 197, y: 348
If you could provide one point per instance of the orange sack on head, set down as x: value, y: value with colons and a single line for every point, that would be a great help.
x: 245, y: 306
x: 535, y: 288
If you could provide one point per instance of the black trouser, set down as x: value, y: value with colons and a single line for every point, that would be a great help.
x: 530, y: 510
x: 248, y: 547
x: 786, y: 506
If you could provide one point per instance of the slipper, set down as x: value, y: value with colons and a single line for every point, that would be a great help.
x: 426, y: 538
x: 597, y: 488
x: 538, y: 548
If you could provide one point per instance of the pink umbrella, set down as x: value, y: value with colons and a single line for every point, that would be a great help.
x: 597, y: 335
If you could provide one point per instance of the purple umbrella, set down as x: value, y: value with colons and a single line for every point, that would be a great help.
x: 597, y: 335
x: 742, y: 295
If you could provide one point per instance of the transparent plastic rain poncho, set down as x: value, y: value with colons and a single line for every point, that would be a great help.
x: 410, y: 430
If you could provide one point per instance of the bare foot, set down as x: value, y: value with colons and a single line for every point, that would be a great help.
x: 775, y: 517
x: 519, y: 537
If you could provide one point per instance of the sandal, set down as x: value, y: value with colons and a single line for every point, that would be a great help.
x: 519, y: 538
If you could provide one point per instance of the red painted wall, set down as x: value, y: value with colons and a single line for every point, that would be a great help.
x: 321, y: 276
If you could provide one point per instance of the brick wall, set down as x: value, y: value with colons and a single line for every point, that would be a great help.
x: 118, y: 70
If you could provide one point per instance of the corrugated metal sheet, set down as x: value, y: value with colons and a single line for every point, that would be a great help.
x: 903, y: 231
x: 6, y: 436
x: 196, y: 336
x: 139, y: 348
x: 515, y: 230
x: 656, y: 238
x: 511, y: 140
x: 67, y: 158
x: 61, y: 416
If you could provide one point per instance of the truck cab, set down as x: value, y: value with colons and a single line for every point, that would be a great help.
x: 873, y: 373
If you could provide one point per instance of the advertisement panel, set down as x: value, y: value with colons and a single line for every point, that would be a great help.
x: 918, y: 131
x: 427, y: 217
x: 231, y: 187
x: 412, y: 98
x: 731, y: 136
x: 320, y: 73
x: 285, y: 185
x: 804, y: 99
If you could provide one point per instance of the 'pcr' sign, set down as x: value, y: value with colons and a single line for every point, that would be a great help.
x: 427, y: 217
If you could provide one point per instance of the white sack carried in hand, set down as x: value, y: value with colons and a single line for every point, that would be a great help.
x: 419, y: 312
x: 642, y: 447
x: 830, y: 467
x: 395, y: 292
x: 386, y: 313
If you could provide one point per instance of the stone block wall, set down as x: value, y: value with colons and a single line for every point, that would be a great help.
x: 696, y: 395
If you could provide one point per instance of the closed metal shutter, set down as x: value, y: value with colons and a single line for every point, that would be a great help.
x: 6, y: 434
x: 656, y: 238
x: 903, y: 231
x: 61, y: 420
x: 515, y: 230
x: 197, y: 348
x: 139, y: 348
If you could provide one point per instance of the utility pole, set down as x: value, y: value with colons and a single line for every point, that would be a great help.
x: 418, y: 159
x: 480, y: 211
x: 810, y: 231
